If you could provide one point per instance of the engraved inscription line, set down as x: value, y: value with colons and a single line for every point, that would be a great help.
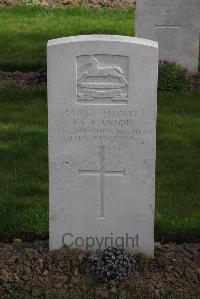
x: 167, y: 26
x: 102, y: 172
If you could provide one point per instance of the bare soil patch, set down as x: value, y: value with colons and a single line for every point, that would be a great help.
x: 23, y: 79
x: 63, y: 3
x: 29, y: 269
x: 39, y: 78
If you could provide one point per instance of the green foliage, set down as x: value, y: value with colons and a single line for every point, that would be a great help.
x: 24, y: 165
x: 173, y: 77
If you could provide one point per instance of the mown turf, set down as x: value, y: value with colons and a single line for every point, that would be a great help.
x: 24, y: 167
x: 24, y: 31
x: 23, y: 163
x: 178, y: 165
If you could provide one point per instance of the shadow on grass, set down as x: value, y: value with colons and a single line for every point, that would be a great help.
x: 24, y: 31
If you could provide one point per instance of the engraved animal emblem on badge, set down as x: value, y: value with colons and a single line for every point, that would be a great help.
x: 101, y: 82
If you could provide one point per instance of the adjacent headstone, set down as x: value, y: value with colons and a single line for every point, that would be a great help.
x: 175, y: 24
x: 102, y: 93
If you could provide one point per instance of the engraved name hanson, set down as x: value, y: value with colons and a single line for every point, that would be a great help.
x: 110, y: 124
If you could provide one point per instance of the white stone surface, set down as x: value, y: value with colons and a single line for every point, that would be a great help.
x: 175, y: 24
x: 102, y: 99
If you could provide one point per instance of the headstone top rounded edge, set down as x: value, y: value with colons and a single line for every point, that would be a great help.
x: 102, y: 37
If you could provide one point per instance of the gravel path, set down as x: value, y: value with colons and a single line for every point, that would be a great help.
x: 63, y: 3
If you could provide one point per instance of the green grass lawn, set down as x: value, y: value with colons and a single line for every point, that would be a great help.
x: 23, y: 162
x: 24, y: 165
x: 24, y: 31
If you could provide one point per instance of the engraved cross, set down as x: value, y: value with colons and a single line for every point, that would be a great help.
x: 102, y: 172
x: 167, y: 25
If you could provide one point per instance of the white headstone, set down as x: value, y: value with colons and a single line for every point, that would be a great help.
x: 102, y: 99
x: 175, y: 24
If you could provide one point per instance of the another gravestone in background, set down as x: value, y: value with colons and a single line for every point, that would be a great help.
x: 175, y: 25
x: 102, y: 130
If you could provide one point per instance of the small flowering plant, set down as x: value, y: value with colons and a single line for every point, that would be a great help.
x: 112, y: 265
x: 164, y: 61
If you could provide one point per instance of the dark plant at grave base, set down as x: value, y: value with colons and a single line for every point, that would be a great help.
x: 112, y: 265
x: 173, y: 76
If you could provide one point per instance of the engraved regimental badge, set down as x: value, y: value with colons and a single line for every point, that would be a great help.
x: 102, y: 79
